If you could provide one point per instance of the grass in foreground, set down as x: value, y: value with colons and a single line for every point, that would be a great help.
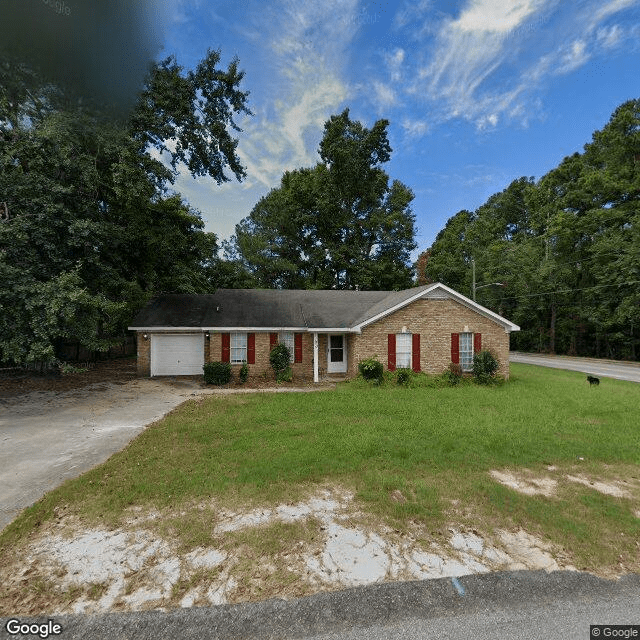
x: 435, y: 446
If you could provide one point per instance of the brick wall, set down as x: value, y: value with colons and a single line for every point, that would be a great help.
x: 435, y: 321
x: 262, y: 366
x: 144, y: 355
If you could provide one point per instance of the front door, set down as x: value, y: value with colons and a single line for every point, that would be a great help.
x: 337, y: 353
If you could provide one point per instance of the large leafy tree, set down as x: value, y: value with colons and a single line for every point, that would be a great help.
x: 340, y: 224
x: 93, y: 230
x: 566, y: 248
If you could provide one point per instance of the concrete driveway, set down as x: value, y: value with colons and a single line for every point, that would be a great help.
x: 591, y: 366
x: 48, y: 437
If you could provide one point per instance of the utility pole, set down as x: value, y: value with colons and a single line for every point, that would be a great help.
x: 473, y: 271
x: 473, y: 285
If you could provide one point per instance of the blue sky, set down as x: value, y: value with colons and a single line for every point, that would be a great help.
x: 477, y: 92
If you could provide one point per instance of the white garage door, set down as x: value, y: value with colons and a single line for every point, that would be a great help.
x: 177, y: 355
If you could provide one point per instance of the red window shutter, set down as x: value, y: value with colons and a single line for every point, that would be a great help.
x: 477, y: 342
x: 415, y: 352
x: 297, y: 340
x: 455, y: 348
x: 273, y: 340
x: 391, y: 356
x: 226, y: 347
x: 251, y: 348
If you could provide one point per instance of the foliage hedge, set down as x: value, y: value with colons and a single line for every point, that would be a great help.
x: 217, y: 373
x: 371, y: 369
x: 279, y: 358
x: 485, y: 366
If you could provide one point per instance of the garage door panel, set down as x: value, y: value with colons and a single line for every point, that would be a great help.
x: 177, y: 355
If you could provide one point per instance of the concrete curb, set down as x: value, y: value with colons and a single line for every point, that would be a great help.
x: 378, y: 604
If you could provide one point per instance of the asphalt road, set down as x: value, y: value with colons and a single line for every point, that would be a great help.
x: 515, y: 605
x: 591, y: 366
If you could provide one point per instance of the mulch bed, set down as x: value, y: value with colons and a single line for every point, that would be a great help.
x: 19, y: 381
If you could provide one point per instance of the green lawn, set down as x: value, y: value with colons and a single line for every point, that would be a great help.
x: 435, y: 445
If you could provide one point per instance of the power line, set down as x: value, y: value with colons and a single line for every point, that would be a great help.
x: 550, y: 293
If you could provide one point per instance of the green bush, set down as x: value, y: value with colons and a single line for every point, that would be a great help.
x: 286, y: 375
x: 217, y: 373
x: 371, y: 369
x: 404, y: 376
x: 279, y: 358
x: 453, y: 375
x: 244, y: 373
x: 485, y: 366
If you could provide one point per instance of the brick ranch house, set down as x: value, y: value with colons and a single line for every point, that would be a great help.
x: 328, y: 331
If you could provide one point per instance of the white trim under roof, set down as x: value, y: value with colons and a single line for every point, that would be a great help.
x: 155, y: 329
x: 474, y: 306
x: 330, y: 330
x: 220, y: 329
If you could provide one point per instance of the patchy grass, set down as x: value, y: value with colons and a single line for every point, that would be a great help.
x: 411, y: 455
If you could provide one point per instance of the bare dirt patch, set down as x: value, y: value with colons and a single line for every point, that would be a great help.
x: 323, y: 542
x: 527, y: 482
x: 524, y: 481
x: 616, y: 488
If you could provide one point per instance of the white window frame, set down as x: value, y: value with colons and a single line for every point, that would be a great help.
x: 466, y: 351
x: 288, y: 338
x: 238, y: 348
x: 404, y: 350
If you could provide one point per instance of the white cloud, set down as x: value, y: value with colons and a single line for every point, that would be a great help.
x: 575, y: 56
x: 496, y: 16
x: 394, y: 62
x: 486, y: 63
x: 469, y: 49
x: 308, y: 45
x: 384, y: 95
x: 414, y: 128
x: 609, y: 37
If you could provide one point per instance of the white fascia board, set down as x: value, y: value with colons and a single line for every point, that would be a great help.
x: 167, y: 329
x: 217, y: 329
x: 507, y: 324
x: 474, y: 306
x: 247, y: 329
x: 331, y: 330
x: 254, y: 329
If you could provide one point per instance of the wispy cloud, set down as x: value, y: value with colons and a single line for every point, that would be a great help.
x: 485, y: 65
x: 468, y: 50
x: 308, y: 44
x: 414, y: 128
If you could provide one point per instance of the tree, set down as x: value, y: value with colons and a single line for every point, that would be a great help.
x: 93, y: 231
x: 566, y: 247
x: 194, y: 111
x: 336, y: 225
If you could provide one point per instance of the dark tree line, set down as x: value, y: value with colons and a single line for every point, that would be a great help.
x: 566, y: 247
x: 90, y: 228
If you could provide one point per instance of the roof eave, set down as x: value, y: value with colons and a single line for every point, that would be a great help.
x: 507, y: 324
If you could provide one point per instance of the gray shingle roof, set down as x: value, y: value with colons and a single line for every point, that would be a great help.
x: 269, y: 308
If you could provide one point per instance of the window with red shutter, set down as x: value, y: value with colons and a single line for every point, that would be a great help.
x: 251, y: 348
x: 477, y: 342
x: 273, y: 340
x: 415, y: 352
x: 297, y: 339
x: 226, y: 347
x: 455, y: 348
x: 391, y: 355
